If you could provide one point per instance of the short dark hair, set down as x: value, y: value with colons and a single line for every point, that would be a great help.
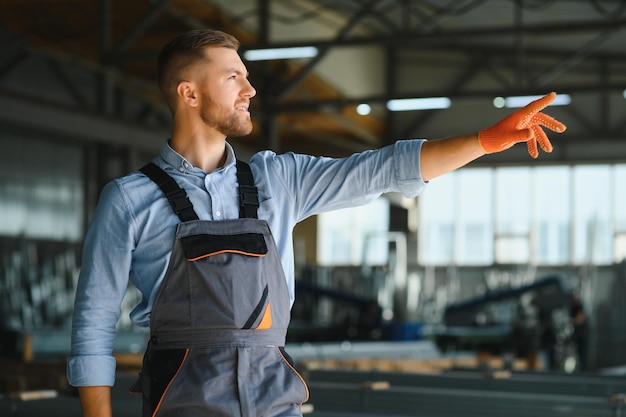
x: 183, y: 51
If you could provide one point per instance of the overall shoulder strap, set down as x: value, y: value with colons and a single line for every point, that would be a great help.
x: 173, y: 192
x: 248, y: 193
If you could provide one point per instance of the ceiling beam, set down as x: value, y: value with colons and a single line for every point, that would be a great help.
x: 580, y: 55
x: 138, y: 29
x: 456, y: 86
x: 294, y: 106
x: 53, y: 119
x: 417, y: 39
x: 293, y: 83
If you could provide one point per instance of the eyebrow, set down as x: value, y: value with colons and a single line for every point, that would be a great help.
x: 238, y: 72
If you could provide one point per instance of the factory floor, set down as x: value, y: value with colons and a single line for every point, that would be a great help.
x: 66, y: 403
x: 364, y: 380
x: 341, y: 393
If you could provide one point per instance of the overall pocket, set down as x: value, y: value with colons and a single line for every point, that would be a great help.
x: 227, y: 279
x: 159, y: 370
x: 290, y: 363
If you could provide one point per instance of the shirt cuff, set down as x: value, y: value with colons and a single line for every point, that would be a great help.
x: 407, y: 167
x: 84, y: 371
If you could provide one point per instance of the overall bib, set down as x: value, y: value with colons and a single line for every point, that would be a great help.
x: 219, y: 321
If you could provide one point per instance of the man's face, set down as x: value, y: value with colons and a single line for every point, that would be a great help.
x: 225, y: 92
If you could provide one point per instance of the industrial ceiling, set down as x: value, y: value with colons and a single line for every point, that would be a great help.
x: 369, y: 51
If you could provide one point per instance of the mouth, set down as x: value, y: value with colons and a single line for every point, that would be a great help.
x: 243, y: 109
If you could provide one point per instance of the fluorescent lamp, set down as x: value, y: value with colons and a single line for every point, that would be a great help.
x: 407, y: 104
x: 280, y: 53
x: 499, y: 102
x: 521, y: 101
x: 363, y: 109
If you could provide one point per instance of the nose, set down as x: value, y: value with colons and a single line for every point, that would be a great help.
x: 248, y: 90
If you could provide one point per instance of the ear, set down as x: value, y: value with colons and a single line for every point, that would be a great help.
x: 187, y: 93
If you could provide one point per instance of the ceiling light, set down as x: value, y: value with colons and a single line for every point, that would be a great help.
x: 499, y: 102
x: 407, y: 104
x: 521, y: 101
x: 363, y: 109
x: 624, y: 93
x: 280, y: 53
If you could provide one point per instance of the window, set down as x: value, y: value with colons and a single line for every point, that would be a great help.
x: 592, y: 215
x: 513, y: 215
x: 619, y: 210
x: 474, y: 217
x: 549, y: 215
x: 457, y: 219
x: 41, y: 193
x: 437, y: 208
x: 344, y: 235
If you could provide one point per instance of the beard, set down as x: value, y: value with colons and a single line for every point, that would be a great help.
x: 229, y: 122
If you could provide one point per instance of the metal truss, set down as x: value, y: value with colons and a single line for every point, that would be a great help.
x: 514, y: 51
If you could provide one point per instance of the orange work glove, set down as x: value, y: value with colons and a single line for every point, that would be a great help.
x: 523, y: 125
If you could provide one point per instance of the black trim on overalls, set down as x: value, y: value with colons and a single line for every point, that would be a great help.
x: 178, y: 199
x: 248, y: 193
x: 175, y: 195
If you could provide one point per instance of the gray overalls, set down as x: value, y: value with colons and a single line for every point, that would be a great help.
x: 220, y: 318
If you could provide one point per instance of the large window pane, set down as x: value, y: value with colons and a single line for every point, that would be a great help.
x: 475, y: 217
x: 619, y: 197
x: 592, y: 215
x: 41, y: 192
x: 619, y: 211
x: 437, y: 211
x: 513, y: 215
x: 552, y: 215
x: 344, y: 235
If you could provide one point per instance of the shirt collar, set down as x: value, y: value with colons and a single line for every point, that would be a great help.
x: 180, y: 164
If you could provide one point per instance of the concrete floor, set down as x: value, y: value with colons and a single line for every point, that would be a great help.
x: 67, y: 404
x: 124, y: 404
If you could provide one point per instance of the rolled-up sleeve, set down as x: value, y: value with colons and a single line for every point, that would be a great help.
x: 102, y: 283
x: 319, y: 184
x: 406, y: 155
x: 84, y: 371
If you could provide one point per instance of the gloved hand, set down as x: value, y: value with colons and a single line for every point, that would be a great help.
x: 523, y: 125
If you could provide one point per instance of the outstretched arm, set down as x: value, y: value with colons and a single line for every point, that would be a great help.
x: 524, y: 125
x: 444, y: 155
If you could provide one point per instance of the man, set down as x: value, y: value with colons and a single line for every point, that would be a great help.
x: 217, y: 281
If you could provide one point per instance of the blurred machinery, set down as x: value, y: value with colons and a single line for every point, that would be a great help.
x: 366, y: 302
x: 529, y: 321
x: 524, y: 322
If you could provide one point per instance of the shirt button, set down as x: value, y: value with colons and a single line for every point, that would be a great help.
x: 218, y: 213
x: 181, y: 169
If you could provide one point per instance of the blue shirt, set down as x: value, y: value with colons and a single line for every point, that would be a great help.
x: 131, y: 235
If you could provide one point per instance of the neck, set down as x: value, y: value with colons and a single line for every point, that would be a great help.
x: 202, y: 147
